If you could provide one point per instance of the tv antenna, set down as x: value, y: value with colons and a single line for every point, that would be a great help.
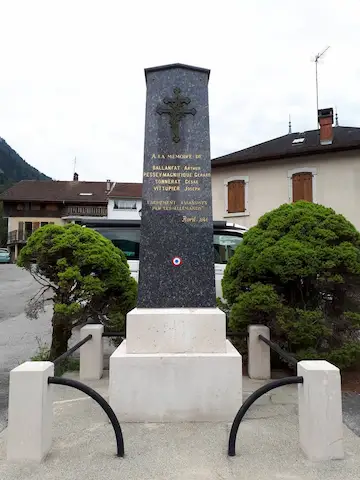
x: 317, y: 58
x: 74, y: 166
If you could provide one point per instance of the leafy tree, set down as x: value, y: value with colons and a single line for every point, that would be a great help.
x: 85, y: 273
x: 298, y: 271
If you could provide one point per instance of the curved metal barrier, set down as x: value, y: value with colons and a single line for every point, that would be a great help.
x: 249, y: 401
x: 285, y: 355
x: 71, y: 350
x: 101, y: 401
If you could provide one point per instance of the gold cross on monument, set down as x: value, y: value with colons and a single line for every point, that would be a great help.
x: 176, y: 111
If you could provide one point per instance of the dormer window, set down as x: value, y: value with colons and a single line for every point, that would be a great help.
x: 296, y: 141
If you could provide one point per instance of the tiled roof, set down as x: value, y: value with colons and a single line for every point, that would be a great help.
x: 56, y: 191
x: 62, y: 191
x: 345, y: 138
x: 129, y: 190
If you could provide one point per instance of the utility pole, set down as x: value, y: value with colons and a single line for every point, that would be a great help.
x: 317, y: 58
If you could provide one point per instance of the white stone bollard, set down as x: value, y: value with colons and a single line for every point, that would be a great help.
x: 320, y: 411
x: 258, y: 353
x: 92, y: 353
x: 29, y: 434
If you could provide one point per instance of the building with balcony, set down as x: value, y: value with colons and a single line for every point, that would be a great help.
x: 31, y: 204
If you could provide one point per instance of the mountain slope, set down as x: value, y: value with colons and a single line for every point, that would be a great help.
x: 13, y: 168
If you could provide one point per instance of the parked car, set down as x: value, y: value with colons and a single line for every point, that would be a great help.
x: 125, y: 234
x: 4, y: 255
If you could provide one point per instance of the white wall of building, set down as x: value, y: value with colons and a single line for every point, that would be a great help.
x: 336, y: 184
x: 123, y: 214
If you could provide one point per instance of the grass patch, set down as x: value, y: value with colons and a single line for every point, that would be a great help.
x: 42, y: 354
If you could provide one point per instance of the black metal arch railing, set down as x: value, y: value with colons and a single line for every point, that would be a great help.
x: 285, y: 355
x: 249, y: 401
x: 101, y: 401
x: 71, y: 350
x: 114, y: 334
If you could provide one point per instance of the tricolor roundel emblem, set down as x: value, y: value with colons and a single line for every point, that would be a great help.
x: 176, y: 261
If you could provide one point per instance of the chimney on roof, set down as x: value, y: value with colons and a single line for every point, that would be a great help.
x: 108, y: 185
x: 76, y: 177
x: 326, y: 120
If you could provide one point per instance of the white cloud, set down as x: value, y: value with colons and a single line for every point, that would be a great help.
x: 72, y: 73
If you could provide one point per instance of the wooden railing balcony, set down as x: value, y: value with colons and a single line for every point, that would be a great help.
x: 86, y: 211
x: 18, y: 236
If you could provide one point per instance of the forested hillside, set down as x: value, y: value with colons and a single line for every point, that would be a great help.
x: 13, y: 168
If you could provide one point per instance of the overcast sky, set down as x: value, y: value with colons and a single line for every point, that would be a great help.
x: 72, y: 81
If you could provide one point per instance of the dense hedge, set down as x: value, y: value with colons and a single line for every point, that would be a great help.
x: 298, y: 271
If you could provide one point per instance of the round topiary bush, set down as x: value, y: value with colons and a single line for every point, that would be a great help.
x: 298, y: 271
x: 85, y: 274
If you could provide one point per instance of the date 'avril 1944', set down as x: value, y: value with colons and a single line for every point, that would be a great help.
x: 195, y: 219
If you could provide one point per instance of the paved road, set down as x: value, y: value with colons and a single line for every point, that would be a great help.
x: 16, y: 287
x: 267, y: 448
x: 19, y: 336
x: 351, y: 411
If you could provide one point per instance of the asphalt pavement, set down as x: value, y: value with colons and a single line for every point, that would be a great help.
x: 19, y: 336
x: 267, y: 446
x: 17, y: 286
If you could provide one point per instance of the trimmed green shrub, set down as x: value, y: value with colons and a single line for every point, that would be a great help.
x: 85, y: 274
x: 298, y: 271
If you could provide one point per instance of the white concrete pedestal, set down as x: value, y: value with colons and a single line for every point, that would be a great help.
x: 30, y: 412
x: 175, y: 330
x: 320, y: 411
x: 175, y: 366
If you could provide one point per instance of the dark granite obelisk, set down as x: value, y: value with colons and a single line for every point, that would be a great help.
x: 176, y: 244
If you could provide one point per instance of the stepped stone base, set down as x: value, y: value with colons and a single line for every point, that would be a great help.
x: 175, y: 387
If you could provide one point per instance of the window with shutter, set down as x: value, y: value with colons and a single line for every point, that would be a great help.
x: 236, y: 196
x: 302, y: 186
